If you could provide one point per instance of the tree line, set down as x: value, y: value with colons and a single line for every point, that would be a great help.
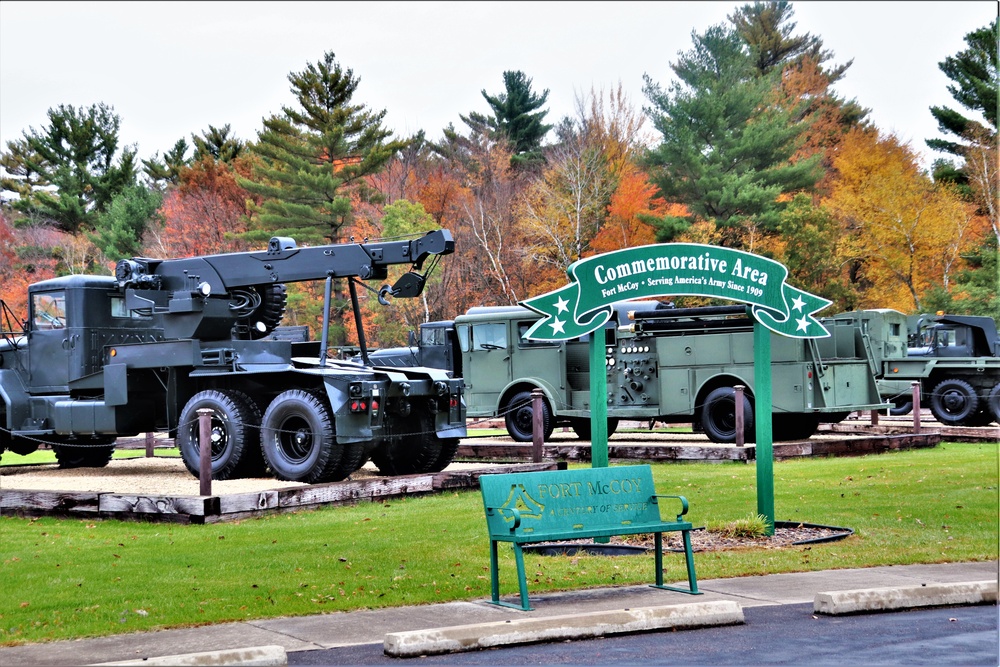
x: 748, y: 147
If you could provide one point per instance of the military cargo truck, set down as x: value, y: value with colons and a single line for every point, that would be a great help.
x: 100, y: 357
x: 663, y: 364
x: 955, y: 358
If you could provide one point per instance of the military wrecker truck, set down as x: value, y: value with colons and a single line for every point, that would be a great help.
x: 955, y: 358
x: 672, y: 365
x: 100, y: 357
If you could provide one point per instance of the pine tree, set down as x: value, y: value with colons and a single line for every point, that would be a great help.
x: 976, y: 87
x: 726, y: 147
x: 77, y: 155
x: 313, y: 157
x: 516, y: 116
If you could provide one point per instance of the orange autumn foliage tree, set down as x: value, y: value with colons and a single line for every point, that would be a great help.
x: 903, y: 234
x: 205, y: 214
x: 634, y: 197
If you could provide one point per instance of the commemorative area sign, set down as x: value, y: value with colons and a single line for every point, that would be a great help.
x: 691, y: 269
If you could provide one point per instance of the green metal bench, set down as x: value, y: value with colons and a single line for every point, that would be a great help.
x: 551, y: 506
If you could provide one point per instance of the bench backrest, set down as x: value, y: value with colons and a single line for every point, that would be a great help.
x: 565, y: 501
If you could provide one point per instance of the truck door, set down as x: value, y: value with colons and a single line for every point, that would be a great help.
x: 540, y: 360
x: 486, y: 346
x: 50, y: 342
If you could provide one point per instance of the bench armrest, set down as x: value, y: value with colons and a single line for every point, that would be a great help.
x: 684, y: 503
x: 513, y: 511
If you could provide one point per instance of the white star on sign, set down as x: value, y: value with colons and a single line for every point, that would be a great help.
x: 798, y: 303
x: 562, y: 305
x: 803, y: 324
x: 557, y: 326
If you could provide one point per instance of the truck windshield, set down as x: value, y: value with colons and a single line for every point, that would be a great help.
x: 48, y: 310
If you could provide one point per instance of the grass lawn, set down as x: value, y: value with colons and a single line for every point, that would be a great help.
x: 79, y: 578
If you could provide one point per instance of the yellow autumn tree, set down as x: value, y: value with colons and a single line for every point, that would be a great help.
x: 902, y: 233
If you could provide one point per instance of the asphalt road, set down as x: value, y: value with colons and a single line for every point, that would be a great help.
x: 773, y: 635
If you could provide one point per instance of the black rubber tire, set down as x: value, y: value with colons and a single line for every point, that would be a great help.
x: 583, y: 429
x: 267, y: 316
x: 519, y: 418
x: 411, y: 446
x: 794, y: 426
x: 234, y: 422
x: 981, y: 418
x: 449, y: 447
x: 355, y: 455
x: 993, y: 403
x: 901, y: 406
x: 298, y: 438
x: 22, y: 446
x: 82, y: 456
x: 718, y: 416
x: 954, y: 401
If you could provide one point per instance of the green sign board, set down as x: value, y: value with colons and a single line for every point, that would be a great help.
x: 675, y: 269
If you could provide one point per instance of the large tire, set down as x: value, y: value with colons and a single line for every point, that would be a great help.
x: 901, y: 405
x: 981, y: 418
x: 794, y: 426
x: 520, y: 418
x: 411, y: 446
x: 298, y: 438
x: 993, y: 403
x: 83, y: 456
x: 718, y: 416
x: 234, y: 421
x: 583, y: 430
x: 954, y: 401
x: 449, y: 447
x: 260, y: 307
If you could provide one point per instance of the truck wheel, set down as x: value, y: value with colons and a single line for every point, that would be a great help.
x: 298, y: 438
x: 993, y: 403
x: 794, y: 426
x: 82, y: 456
x: 520, y: 418
x: 22, y: 446
x: 582, y: 427
x: 234, y: 418
x: 901, y: 406
x: 411, y: 446
x: 353, y: 457
x: 718, y: 416
x: 449, y: 447
x: 954, y: 401
x: 262, y: 306
x: 981, y: 418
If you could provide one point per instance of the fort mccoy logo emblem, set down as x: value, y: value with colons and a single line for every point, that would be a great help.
x: 689, y: 269
x: 521, y: 500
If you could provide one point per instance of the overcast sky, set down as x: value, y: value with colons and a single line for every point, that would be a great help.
x: 171, y: 69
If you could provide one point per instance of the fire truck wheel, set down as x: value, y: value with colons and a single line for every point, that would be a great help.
x: 718, y: 416
x: 582, y: 427
x: 298, y: 439
x: 954, y: 401
x: 233, y: 425
x: 520, y: 417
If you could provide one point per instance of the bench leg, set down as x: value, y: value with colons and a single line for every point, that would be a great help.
x: 522, y: 581
x: 692, y: 588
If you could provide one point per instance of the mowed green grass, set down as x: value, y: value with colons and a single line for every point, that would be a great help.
x: 79, y: 578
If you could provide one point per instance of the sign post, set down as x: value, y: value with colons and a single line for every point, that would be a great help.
x: 584, y: 306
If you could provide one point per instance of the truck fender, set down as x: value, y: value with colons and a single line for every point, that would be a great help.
x: 17, y: 405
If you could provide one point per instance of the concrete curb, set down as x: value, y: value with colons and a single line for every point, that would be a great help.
x: 256, y: 656
x: 455, y: 639
x: 906, y: 597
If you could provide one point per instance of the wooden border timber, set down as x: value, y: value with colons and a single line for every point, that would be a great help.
x: 215, y: 509
x: 856, y: 445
